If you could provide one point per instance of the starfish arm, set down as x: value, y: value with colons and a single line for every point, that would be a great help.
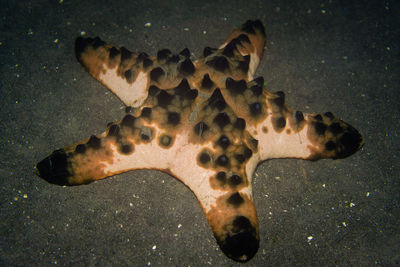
x: 224, y: 193
x: 129, y: 144
x: 248, y: 40
x: 306, y: 136
x: 130, y: 75
x: 282, y: 132
x: 285, y: 133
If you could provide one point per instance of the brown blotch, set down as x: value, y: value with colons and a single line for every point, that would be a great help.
x: 165, y: 141
x: 279, y: 124
x: 265, y: 129
x: 218, y: 181
x: 146, y: 134
x: 126, y: 149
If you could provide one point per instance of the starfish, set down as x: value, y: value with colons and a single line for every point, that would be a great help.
x: 206, y: 122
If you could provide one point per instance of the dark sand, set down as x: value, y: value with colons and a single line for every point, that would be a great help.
x: 338, y: 56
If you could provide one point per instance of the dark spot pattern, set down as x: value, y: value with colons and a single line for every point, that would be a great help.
x: 255, y: 109
x: 128, y: 109
x: 165, y: 141
x: 147, y: 63
x: 128, y: 75
x: 163, y: 54
x: 330, y: 145
x: 247, y: 153
x: 185, y: 53
x: 200, y: 128
x: 299, y: 116
x: 146, y: 112
x: 279, y: 123
x: 240, y: 124
x: 183, y: 87
x: 329, y: 115
x: 219, y: 63
x: 186, y: 68
x: 55, y: 168
x: 114, y: 52
x: 146, y: 134
x: 320, y: 128
x: 156, y: 74
x: 318, y: 117
x: 154, y: 90
x: 251, y: 27
x: 280, y: 99
x: 204, y: 158
x: 222, y: 160
x: 125, y: 54
x: 113, y: 131
x: 174, y: 118
x: 80, y: 149
x: 217, y: 100
x: 128, y: 121
x: 94, y: 142
x: 142, y: 57
x: 235, y: 199
x: 235, y: 87
x: 335, y: 128
x: 242, y: 243
x: 126, y: 149
x: 207, y: 83
x: 223, y: 142
x: 208, y: 51
x: 221, y: 176
x: 164, y: 99
x: 222, y: 119
x: 235, y: 180
x: 243, y: 66
x: 259, y: 81
x: 240, y: 158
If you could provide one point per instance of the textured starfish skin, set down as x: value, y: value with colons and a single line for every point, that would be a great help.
x: 206, y: 122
